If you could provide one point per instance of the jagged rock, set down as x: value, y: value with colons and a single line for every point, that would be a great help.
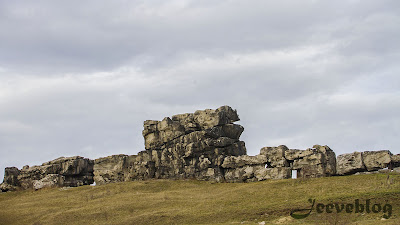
x: 375, y: 160
x: 350, y: 163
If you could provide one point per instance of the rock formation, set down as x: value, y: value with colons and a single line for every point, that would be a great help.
x: 69, y: 172
x: 279, y: 162
x: 204, y: 145
x: 191, y: 145
x: 366, y: 161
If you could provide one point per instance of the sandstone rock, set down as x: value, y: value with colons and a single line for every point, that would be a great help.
x: 350, y: 163
x: 374, y: 160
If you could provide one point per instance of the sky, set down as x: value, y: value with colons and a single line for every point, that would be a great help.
x: 80, y: 77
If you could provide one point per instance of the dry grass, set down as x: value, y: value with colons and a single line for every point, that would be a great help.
x: 201, y: 202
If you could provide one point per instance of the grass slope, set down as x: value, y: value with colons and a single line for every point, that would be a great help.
x: 202, y: 202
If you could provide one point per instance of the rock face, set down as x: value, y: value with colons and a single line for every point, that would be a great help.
x: 69, y: 172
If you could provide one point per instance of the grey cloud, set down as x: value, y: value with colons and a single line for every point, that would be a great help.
x: 80, y: 78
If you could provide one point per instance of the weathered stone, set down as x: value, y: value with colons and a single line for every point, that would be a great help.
x: 210, y: 118
x: 273, y: 173
x: 317, y: 161
x: 70, y: 171
x: 350, y: 163
x: 242, y: 174
x: 275, y: 155
x: 11, y: 176
x: 395, y: 161
x: 375, y: 160
x: 4, y: 187
x: 330, y: 159
x: 50, y: 180
x: 292, y: 154
x: 113, y: 168
x: 240, y: 161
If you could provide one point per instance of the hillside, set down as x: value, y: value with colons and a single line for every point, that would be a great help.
x: 202, y: 202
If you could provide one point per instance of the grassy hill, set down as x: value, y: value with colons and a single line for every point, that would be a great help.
x: 202, y: 202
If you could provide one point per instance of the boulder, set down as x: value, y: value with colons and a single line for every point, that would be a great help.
x: 375, y: 160
x: 350, y: 163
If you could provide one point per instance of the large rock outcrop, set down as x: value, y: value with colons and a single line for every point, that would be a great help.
x: 62, y: 172
x: 190, y: 145
x: 204, y: 145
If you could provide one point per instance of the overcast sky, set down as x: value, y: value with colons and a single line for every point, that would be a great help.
x: 80, y: 77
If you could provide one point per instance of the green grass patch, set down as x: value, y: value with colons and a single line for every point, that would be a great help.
x: 202, y: 202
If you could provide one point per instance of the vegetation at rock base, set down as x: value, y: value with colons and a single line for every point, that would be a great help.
x: 203, y: 202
